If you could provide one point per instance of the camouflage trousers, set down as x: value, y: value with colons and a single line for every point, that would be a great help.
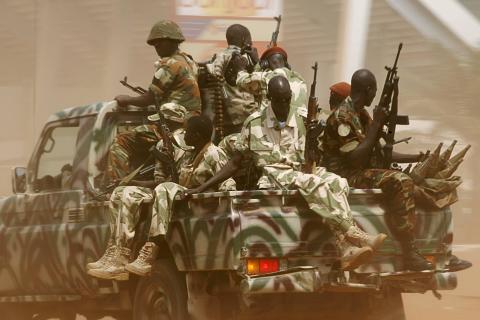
x: 125, y: 146
x: 124, y: 210
x: 325, y: 192
x: 162, y: 207
x: 398, y: 188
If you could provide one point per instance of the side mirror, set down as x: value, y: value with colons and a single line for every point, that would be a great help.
x: 19, y: 180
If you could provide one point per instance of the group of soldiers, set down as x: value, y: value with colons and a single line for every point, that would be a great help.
x: 265, y: 126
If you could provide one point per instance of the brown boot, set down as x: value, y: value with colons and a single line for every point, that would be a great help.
x: 109, y: 252
x: 142, y: 266
x: 114, y: 268
x: 352, y: 257
x: 360, y: 238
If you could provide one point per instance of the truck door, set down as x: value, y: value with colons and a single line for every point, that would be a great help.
x: 40, y: 240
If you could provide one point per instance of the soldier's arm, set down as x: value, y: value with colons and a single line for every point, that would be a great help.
x: 226, y: 172
x: 361, y: 155
x: 218, y: 66
x: 142, y: 101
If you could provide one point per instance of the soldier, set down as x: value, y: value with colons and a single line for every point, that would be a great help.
x: 274, y: 138
x: 240, y: 103
x: 348, y: 143
x: 175, y: 80
x: 273, y: 62
x: 338, y: 93
x: 125, y: 202
x: 194, y: 167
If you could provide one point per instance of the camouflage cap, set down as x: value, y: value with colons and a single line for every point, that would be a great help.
x: 165, y: 29
x: 171, y: 111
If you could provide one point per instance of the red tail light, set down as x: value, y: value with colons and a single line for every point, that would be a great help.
x: 259, y: 266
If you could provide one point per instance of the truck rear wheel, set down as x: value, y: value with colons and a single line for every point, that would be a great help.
x: 163, y: 295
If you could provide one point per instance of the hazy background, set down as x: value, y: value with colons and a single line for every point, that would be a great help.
x: 61, y: 53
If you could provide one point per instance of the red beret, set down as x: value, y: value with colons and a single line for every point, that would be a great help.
x: 341, y: 88
x: 271, y: 51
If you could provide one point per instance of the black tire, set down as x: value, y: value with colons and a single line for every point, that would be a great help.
x: 163, y: 295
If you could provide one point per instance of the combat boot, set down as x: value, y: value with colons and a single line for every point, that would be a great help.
x: 360, y: 238
x: 352, y: 257
x: 142, y: 266
x: 109, y: 252
x: 114, y: 267
x: 413, y: 260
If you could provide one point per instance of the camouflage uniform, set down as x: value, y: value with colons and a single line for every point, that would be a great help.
x: 346, y: 129
x: 279, y: 153
x: 125, y: 201
x: 175, y: 80
x: 193, y: 170
x: 257, y: 83
x: 241, y: 103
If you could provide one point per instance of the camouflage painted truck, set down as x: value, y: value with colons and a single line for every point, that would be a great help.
x: 262, y: 254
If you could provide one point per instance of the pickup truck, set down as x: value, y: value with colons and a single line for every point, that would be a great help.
x: 261, y: 253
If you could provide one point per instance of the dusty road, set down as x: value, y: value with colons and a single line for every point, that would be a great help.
x: 460, y: 304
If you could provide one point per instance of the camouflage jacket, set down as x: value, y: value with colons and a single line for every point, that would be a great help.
x: 346, y: 129
x: 180, y: 149
x: 194, y: 170
x: 241, y: 103
x: 175, y: 80
x: 272, y: 147
x: 256, y: 83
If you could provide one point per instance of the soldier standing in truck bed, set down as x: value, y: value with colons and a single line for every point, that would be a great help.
x: 273, y: 62
x: 175, y: 80
x: 274, y: 138
x: 240, y: 102
x: 348, y: 143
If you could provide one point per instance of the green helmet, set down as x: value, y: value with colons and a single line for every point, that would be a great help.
x: 165, y: 29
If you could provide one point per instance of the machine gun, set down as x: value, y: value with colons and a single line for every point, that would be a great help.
x: 273, y: 41
x: 136, y: 89
x: 310, y: 147
x: 389, y: 102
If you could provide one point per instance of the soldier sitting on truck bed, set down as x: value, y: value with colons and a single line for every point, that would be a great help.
x: 274, y: 139
x: 240, y: 103
x: 175, y: 80
x: 125, y: 201
x: 349, y: 139
x: 348, y: 142
x: 194, y: 166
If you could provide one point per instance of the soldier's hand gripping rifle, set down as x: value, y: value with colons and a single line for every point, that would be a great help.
x: 167, y: 154
x: 389, y: 102
x: 310, y: 145
x: 136, y: 89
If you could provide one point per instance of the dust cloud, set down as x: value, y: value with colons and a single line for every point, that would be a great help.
x: 59, y: 54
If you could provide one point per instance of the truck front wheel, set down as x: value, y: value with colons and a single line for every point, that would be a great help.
x: 163, y: 295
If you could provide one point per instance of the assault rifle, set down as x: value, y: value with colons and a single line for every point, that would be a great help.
x: 389, y: 102
x: 140, y: 171
x: 137, y: 89
x: 273, y: 41
x: 168, y: 150
x: 310, y: 148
